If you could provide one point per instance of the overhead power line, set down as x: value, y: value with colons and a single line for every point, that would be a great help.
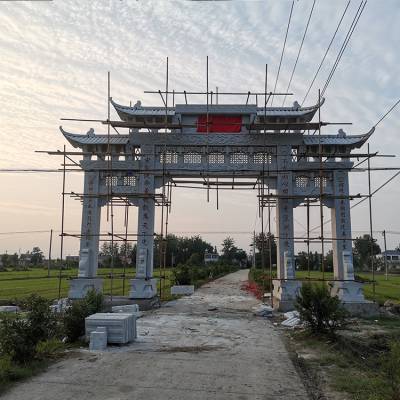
x: 365, y: 198
x: 387, y: 113
x: 346, y: 41
x: 298, y: 54
x: 27, y: 170
x: 326, y: 53
x: 283, y: 51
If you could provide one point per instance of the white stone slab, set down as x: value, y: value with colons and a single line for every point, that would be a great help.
x: 291, y: 322
x: 121, y: 327
x: 262, y: 310
x: 98, y: 340
x: 182, y: 290
x: 12, y: 309
x: 291, y: 314
x: 128, y: 308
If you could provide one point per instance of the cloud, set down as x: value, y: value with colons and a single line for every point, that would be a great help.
x: 55, y: 58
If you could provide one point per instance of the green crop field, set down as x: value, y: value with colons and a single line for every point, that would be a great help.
x: 384, y: 289
x: 18, y: 284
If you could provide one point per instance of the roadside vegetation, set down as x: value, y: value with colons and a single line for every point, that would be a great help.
x: 321, y: 313
x: 347, y: 357
x: 31, y: 339
x: 197, y: 275
x: 196, y: 272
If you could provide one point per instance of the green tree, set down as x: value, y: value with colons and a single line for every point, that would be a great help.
x: 228, y: 249
x: 230, y: 253
x: 109, y: 249
x: 362, y: 251
x: 302, y: 260
x: 5, y: 260
x: 13, y: 260
x: 180, y: 249
x: 36, y: 256
x: 263, y: 244
x: 329, y: 261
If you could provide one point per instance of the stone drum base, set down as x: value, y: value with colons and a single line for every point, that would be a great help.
x: 80, y: 286
x: 143, y: 288
x: 285, y: 293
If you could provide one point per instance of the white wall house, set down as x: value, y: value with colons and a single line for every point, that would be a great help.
x: 392, y: 258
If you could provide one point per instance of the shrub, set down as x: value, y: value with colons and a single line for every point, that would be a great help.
x: 5, y: 369
x: 74, y: 320
x: 16, y: 339
x: 391, y: 368
x: 20, y: 335
x: 74, y: 317
x: 261, y: 278
x: 94, y: 302
x: 49, y: 348
x: 181, y: 275
x: 319, y: 310
x: 186, y: 274
x: 42, y: 321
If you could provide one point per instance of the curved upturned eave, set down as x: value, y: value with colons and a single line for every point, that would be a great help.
x: 301, y: 110
x: 355, y: 141
x: 126, y: 112
x: 79, y: 140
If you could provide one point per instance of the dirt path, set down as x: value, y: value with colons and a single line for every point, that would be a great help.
x: 186, y: 350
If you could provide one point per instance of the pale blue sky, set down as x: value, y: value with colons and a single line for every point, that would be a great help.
x: 54, y: 62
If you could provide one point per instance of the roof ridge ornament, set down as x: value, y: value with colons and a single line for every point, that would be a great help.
x: 138, y: 105
x: 90, y: 133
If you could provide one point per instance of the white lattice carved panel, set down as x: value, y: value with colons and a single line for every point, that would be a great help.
x: 317, y: 181
x: 129, y: 180
x: 216, y: 158
x: 302, y: 181
x: 239, y: 158
x: 262, y: 158
x: 192, y: 158
x: 111, y: 180
x: 170, y: 157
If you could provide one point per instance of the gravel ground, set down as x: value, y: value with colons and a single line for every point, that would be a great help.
x: 206, y: 346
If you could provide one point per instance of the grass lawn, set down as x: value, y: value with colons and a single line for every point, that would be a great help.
x: 384, y: 289
x: 18, y: 284
x: 357, y: 365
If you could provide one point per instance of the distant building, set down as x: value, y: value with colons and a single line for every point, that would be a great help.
x: 72, y: 259
x: 210, y: 257
x: 392, y: 258
x: 25, y: 260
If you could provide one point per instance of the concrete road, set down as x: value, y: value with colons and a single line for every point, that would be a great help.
x: 186, y: 350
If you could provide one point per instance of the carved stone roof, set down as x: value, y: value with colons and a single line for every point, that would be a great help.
x: 307, y: 113
x: 352, y: 140
x: 125, y: 112
x: 79, y: 140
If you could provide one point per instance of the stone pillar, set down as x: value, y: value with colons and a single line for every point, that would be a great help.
x: 285, y: 288
x: 349, y: 290
x: 89, y: 244
x: 144, y: 286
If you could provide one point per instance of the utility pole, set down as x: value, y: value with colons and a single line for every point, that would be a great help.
x: 49, y: 261
x: 254, y: 249
x: 385, y: 257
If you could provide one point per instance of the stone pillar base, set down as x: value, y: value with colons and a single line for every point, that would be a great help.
x: 285, y: 293
x: 348, y: 291
x: 352, y: 297
x: 80, y: 286
x: 143, y: 288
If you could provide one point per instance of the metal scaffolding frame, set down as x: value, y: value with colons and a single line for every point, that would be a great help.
x: 205, y: 181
